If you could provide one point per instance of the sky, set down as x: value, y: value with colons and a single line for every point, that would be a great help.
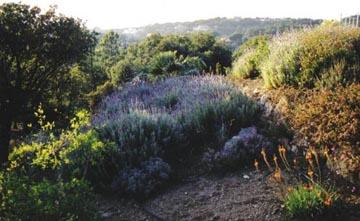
x: 110, y: 14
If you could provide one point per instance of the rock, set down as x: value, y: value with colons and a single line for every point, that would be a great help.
x: 268, y: 109
x: 246, y: 177
x: 294, y: 149
x: 244, y: 146
x: 263, y: 99
x: 106, y: 215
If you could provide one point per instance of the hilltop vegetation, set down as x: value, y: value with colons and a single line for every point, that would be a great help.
x: 235, y: 30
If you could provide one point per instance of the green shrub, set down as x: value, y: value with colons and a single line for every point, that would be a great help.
x: 76, y: 153
x: 164, y: 63
x: 249, y: 57
x: 88, y: 157
x: 327, y: 53
x: 309, y: 202
x: 94, y: 98
x: 123, y: 71
x: 282, y: 63
x: 23, y: 199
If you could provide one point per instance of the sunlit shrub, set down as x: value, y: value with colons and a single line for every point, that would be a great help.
x: 75, y: 153
x: 249, y: 57
x: 302, y: 58
x: 23, y: 199
x: 282, y: 64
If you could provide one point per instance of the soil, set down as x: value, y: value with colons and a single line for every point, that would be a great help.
x: 240, y: 196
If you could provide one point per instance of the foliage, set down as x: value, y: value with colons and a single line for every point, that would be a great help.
x: 164, y: 63
x: 161, y: 56
x: 308, y: 201
x: 141, y: 182
x: 76, y: 153
x: 282, y: 62
x: 249, y: 56
x: 36, y: 52
x: 94, y: 97
x: 140, y: 136
x: 108, y: 50
x: 235, y: 30
x: 324, y: 56
x: 330, y: 119
x: 23, y: 199
x: 123, y: 71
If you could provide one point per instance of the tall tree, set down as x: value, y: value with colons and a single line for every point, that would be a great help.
x: 108, y: 51
x: 36, y: 49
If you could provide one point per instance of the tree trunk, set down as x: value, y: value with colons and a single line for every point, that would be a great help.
x: 5, y: 127
x: 5, y: 130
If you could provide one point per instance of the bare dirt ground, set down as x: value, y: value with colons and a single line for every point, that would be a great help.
x: 241, y: 196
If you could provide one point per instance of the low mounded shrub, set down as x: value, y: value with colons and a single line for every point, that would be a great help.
x: 249, y: 57
x: 24, y: 199
x: 325, y: 119
x: 139, y: 136
x: 142, y: 181
x: 174, y: 119
x: 240, y: 149
x: 331, y: 119
x: 325, y: 55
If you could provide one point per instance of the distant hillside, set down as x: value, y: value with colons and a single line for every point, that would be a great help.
x: 234, y: 30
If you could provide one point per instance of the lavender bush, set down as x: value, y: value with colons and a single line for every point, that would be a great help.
x: 142, y: 181
x: 172, y: 119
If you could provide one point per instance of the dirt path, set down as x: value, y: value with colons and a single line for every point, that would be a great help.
x: 241, y: 196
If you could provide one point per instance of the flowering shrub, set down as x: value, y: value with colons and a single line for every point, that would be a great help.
x: 139, y: 136
x: 173, y: 119
x: 144, y: 180
x: 329, y: 53
x: 24, y: 199
x: 170, y: 117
